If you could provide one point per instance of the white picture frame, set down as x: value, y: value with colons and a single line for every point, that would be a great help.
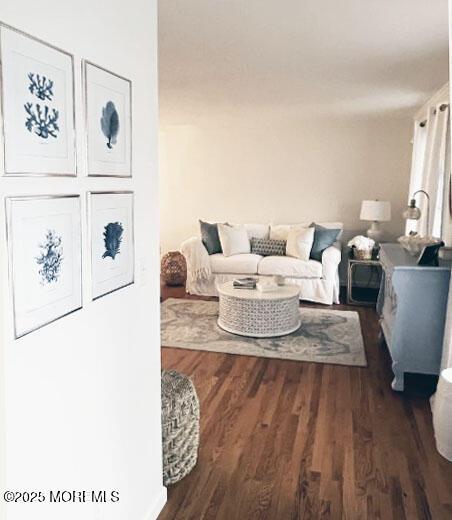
x: 111, y: 219
x: 37, y: 106
x: 108, y: 120
x: 45, y: 260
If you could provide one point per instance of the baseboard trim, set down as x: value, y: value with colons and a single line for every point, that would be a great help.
x: 158, y: 505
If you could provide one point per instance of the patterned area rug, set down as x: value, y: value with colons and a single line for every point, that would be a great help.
x: 325, y: 336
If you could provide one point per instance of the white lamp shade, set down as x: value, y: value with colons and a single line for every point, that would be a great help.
x: 375, y: 210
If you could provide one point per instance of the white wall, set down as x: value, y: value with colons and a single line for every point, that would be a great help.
x: 262, y: 171
x: 82, y: 395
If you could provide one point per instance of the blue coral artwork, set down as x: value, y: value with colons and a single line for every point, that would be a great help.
x: 41, y: 119
x: 109, y: 124
x: 113, y: 234
x: 40, y: 86
x: 50, y: 258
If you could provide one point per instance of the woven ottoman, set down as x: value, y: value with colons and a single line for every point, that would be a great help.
x: 180, y: 426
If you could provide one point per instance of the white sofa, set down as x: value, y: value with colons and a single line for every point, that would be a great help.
x: 318, y: 281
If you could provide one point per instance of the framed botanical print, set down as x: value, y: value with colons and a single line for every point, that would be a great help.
x: 108, y: 122
x: 112, y: 241
x: 45, y: 264
x: 37, y: 101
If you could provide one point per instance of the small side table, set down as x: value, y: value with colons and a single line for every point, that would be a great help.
x: 352, y: 264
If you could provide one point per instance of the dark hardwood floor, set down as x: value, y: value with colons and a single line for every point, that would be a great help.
x: 289, y: 440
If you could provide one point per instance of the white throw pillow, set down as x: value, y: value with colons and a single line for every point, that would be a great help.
x: 299, y: 243
x: 257, y: 230
x: 234, y: 240
x: 281, y: 231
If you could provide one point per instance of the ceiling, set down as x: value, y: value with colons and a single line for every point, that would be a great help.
x: 299, y: 58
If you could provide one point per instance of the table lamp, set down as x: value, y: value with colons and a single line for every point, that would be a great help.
x: 375, y: 211
x: 412, y: 212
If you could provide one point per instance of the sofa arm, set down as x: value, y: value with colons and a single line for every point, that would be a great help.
x: 197, y: 257
x: 331, y: 259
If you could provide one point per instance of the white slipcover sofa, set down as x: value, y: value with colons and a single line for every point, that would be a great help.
x: 318, y: 281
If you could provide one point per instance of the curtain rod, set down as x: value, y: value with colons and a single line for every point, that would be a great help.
x: 442, y: 108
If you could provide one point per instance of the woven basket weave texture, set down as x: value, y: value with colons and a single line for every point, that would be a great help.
x: 174, y: 268
x: 180, y: 426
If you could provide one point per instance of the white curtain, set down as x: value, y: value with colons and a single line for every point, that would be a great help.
x: 417, y: 166
x: 428, y: 170
x: 435, y: 169
x: 441, y: 419
x: 447, y: 198
x: 447, y: 346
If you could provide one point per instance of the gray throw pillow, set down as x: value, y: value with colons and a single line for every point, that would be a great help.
x: 210, y: 238
x: 268, y: 247
x: 323, y: 238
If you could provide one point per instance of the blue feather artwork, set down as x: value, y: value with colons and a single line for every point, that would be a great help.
x: 112, y: 239
x: 109, y: 123
x: 50, y: 258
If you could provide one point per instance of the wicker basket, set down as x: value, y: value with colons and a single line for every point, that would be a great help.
x: 180, y: 426
x: 174, y: 268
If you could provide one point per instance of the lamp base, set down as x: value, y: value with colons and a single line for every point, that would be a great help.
x: 374, y: 232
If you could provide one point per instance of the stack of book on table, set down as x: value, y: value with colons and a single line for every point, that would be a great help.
x: 267, y: 286
x: 245, y: 283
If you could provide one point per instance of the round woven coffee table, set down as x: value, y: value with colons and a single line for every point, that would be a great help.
x: 248, y: 312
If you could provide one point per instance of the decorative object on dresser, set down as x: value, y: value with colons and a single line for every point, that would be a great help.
x: 412, y: 304
x: 412, y: 212
x: 317, y: 276
x: 429, y: 255
x: 414, y: 243
x: 259, y: 314
x: 375, y: 211
x: 353, y: 265
x: 174, y: 268
x: 180, y: 426
x: 325, y: 335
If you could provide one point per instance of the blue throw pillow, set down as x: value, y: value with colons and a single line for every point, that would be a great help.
x: 210, y: 238
x: 323, y: 238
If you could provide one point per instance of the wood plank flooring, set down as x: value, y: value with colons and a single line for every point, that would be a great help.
x: 291, y: 440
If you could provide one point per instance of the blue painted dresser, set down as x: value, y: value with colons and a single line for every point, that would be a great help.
x: 412, y: 305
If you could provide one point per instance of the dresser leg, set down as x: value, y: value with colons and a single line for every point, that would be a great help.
x: 398, y: 383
